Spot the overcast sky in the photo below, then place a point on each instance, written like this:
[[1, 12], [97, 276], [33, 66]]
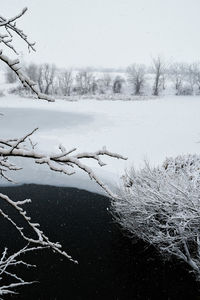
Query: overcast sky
[[109, 33]]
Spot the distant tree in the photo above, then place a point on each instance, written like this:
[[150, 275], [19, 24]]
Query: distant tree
[[46, 78], [65, 81], [117, 84], [136, 77], [177, 74], [158, 68], [85, 82]]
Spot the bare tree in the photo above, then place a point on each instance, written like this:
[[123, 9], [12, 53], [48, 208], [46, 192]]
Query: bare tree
[[46, 78], [177, 73], [65, 161], [161, 206], [136, 77], [85, 83], [158, 69], [65, 81]]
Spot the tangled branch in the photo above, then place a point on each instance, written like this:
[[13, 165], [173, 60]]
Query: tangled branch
[[11, 28], [7, 262]]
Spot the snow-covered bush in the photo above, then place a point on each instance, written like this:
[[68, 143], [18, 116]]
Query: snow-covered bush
[[161, 206]]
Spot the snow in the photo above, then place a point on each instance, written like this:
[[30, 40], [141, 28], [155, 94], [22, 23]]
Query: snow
[[150, 130]]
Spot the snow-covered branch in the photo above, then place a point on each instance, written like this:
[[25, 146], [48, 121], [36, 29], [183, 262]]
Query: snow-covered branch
[[7, 262], [11, 28], [64, 161], [26, 82], [41, 239], [6, 38]]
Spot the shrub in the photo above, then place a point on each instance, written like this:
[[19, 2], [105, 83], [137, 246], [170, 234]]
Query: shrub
[[162, 207]]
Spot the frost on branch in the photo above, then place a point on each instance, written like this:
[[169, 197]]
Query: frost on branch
[[162, 207], [41, 239], [7, 262], [65, 161], [8, 29], [14, 66]]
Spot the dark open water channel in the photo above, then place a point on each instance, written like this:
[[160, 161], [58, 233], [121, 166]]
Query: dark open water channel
[[110, 266]]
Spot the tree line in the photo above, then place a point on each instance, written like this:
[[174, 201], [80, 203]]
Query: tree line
[[138, 79]]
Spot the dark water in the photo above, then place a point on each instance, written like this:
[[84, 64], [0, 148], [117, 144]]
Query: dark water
[[110, 266]]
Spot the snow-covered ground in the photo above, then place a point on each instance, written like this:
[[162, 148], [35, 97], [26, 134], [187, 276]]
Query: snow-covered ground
[[140, 130]]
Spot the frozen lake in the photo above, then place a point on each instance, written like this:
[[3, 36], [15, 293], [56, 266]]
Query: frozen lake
[[139, 130], [23, 120]]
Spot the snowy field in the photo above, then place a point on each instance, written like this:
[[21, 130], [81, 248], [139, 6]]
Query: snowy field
[[141, 130]]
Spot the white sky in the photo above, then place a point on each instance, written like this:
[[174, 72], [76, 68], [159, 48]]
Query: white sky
[[109, 33]]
